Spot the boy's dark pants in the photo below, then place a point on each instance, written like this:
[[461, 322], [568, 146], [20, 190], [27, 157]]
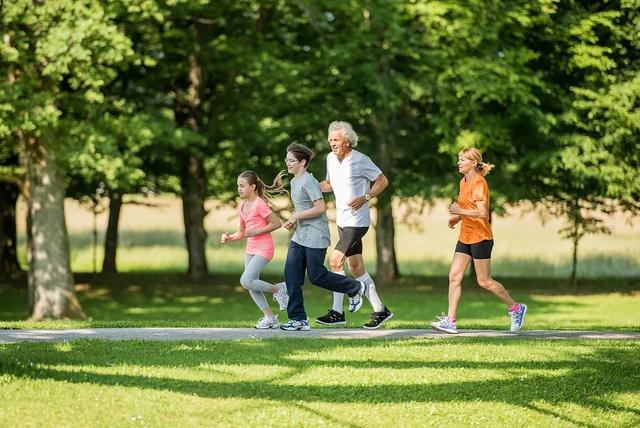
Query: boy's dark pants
[[301, 258]]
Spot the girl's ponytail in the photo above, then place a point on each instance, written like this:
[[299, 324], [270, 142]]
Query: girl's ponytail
[[262, 190], [268, 193]]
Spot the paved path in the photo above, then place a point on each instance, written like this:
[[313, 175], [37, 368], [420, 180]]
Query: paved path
[[10, 336]]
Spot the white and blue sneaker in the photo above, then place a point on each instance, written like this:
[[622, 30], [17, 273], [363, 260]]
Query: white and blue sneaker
[[517, 317], [294, 325], [355, 302], [445, 324]]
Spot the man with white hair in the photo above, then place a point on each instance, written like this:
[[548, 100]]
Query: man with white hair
[[349, 175]]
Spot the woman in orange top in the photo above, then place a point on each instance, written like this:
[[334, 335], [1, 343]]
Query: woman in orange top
[[475, 241]]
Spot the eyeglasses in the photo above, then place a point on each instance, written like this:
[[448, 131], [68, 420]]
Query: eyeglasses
[[287, 160]]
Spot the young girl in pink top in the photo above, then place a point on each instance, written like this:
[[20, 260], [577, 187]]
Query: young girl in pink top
[[257, 221]]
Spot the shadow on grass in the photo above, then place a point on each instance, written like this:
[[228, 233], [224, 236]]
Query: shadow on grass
[[144, 300], [584, 378], [152, 306]]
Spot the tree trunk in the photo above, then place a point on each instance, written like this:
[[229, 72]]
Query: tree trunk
[[387, 265], [9, 265], [30, 291], [111, 236], [574, 268], [194, 184], [382, 122], [194, 177], [50, 277]]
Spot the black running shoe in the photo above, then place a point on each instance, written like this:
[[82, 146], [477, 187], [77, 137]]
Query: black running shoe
[[377, 318], [332, 318]]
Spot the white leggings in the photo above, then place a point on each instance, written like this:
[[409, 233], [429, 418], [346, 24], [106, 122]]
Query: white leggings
[[250, 279]]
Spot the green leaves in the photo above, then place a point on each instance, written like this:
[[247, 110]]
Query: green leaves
[[548, 90], [58, 57]]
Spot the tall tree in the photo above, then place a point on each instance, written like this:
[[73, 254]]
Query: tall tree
[[420, 80], [108, 162], [145, 140], [57, 56], [589, 167], [357, 48], [217, 73], [180, 74]]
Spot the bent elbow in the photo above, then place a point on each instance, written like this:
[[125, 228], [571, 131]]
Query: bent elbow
[[384, 182]]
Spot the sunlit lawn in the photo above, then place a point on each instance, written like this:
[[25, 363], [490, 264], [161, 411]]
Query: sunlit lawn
[[170, 300], [258, 383], [353, 383]]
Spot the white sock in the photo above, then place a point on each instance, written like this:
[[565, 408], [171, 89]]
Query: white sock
[[338, 298], [373, 294]]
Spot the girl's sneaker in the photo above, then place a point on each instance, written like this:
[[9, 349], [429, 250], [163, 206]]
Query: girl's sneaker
[[281, 296], [267, 322], [294, 325], [445, 324]]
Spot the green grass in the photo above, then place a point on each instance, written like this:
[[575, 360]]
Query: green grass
[[142, 300], [352, 383], [341, 383]]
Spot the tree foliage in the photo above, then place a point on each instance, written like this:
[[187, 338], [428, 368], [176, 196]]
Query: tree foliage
[[180, 96]]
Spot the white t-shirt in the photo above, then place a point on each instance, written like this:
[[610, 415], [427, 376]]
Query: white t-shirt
[[350, 178]]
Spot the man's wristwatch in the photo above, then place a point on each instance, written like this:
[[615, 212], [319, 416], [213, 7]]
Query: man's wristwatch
[[367, 196]]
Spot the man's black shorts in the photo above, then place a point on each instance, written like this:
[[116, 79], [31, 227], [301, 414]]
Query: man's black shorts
[[350, 242], [479, 250]]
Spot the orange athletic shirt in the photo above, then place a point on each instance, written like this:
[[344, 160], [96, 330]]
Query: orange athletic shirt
[[474, 229]]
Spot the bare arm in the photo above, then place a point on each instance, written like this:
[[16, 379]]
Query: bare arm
[[325, 186], [274, 223], [481, 211], [319, 208], [380, 183], [453, 220], [236, 236]]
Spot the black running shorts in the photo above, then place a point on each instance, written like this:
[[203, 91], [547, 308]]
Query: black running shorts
[[350, 242], [480, 250]]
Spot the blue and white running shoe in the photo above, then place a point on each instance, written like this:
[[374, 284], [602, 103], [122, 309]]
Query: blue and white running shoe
[[294, 325], [355, 302]]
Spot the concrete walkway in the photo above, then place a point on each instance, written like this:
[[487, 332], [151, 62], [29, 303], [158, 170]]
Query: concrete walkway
[[11, 336]]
